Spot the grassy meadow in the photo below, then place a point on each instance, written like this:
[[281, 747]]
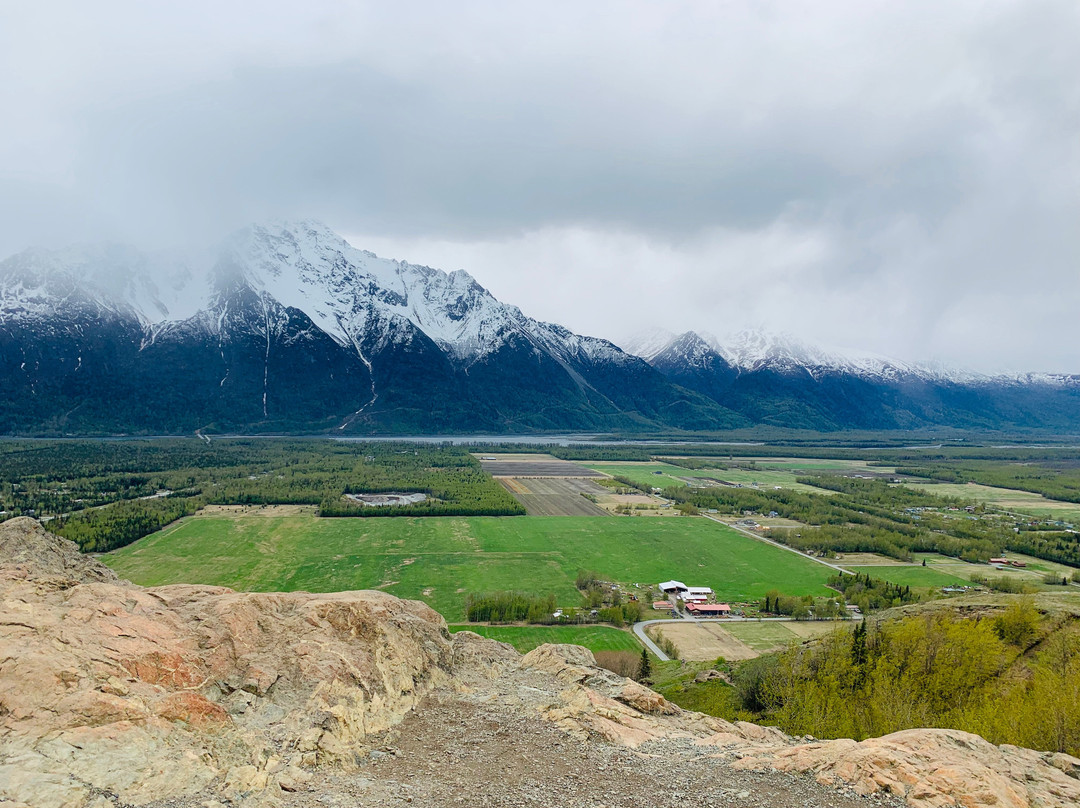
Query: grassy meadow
[[915, 575], [439, 559], [768, 635]]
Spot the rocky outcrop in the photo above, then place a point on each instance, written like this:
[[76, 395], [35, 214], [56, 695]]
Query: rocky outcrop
[[927, 768], [143, 692], [933, 768], [27, 549], [112, 694]]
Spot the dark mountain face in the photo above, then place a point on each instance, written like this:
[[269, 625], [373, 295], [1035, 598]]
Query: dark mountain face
[[289, 328], [786, 390]]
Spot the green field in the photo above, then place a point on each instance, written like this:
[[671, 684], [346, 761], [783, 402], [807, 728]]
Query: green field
[[767, 479], [1007, 499], [1032, 574], [914, 575], [439, 559], [808, 464], [526, 638], [645, 474]]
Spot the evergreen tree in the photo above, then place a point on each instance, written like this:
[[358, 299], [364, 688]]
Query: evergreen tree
[[645, 672], [858, 652]]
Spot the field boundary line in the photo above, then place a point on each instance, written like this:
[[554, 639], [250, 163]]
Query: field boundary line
[[778, 544]]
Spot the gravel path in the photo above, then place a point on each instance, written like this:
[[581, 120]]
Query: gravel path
[[454, 753]]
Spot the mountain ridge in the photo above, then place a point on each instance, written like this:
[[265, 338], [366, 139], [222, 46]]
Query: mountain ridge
[[287, 326], [781, 381]]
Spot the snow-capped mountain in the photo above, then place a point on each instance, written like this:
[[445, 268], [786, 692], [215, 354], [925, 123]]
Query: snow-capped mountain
[[288, 325], [285, 326], [752, 350], [778, 379]]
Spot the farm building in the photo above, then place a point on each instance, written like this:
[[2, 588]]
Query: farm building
[[709, 609], [999, 560], [662, 605], [698, 594], [673, 587]]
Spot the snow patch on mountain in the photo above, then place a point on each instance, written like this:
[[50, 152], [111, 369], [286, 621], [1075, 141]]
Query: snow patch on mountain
[[648, 344], [753, 350], [153, 287], [352, 293], [362, 301]]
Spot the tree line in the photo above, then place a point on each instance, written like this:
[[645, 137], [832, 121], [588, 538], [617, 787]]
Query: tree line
[[105, 494]]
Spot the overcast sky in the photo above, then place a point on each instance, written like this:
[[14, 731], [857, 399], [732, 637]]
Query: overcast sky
[[901, 177]]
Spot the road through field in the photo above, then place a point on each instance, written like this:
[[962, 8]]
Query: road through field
[[778, 544]]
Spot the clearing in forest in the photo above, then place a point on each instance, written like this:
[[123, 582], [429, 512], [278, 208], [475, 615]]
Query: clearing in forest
[[555, 496]]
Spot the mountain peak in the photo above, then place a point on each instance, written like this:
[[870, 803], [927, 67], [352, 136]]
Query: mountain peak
[[755, 349]]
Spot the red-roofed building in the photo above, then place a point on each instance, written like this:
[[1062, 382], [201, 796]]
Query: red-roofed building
[[662, 605], [709, 609]]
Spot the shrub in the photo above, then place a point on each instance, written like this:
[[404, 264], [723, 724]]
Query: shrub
[[623, 663]]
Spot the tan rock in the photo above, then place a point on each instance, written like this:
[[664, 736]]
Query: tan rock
[[126, 689], [932, 768]]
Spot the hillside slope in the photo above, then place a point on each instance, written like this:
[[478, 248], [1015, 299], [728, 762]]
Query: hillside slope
[[113, 695]]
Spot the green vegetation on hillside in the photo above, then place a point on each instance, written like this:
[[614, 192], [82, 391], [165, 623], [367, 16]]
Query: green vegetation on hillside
[[1012, 676]]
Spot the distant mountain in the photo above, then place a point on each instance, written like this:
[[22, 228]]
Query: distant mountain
[[781, 381], [288, 327]]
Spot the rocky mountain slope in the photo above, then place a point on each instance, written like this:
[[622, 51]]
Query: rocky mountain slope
[[114, 695], [287, 326], [781, 381]]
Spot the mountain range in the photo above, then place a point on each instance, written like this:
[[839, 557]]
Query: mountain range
[[781, 381], [286, 327]]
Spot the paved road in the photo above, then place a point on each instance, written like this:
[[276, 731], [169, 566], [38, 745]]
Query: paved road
[[639, 630]]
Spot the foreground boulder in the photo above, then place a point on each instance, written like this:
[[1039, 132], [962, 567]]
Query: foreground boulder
[[144, 692], [116, 695]]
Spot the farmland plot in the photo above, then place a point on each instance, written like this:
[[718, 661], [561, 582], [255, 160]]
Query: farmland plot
[[532, 465], [555, 496]]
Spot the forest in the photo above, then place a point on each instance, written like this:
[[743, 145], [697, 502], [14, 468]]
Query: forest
[[105, 494]]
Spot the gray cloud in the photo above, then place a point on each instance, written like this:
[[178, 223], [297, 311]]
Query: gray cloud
[[897, 177]]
